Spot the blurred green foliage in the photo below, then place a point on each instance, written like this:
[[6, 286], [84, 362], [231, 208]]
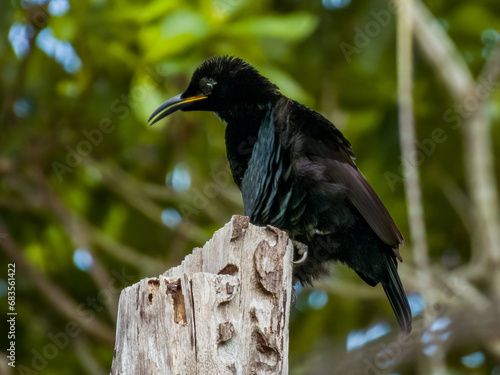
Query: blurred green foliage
[[81, 169]]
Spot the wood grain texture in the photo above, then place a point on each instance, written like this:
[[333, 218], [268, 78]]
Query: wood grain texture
[[224, 310]]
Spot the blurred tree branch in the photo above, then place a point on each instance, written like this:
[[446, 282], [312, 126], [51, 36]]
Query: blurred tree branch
[[147, 264], [408, 136], [54, 294], [80, 238], [441, 53], [458, 199], [132, 192], [451, 67], [83, 350]]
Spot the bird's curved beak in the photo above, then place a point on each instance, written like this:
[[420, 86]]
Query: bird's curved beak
[[172, 105]]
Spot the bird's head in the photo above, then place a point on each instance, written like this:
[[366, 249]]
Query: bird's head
[[220, 84]]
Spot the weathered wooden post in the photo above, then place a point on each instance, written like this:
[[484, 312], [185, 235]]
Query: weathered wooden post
[[224, 310]]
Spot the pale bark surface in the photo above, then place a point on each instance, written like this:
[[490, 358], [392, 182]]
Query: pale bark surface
[[224, 310]]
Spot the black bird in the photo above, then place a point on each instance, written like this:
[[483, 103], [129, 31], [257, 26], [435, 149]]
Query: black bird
[[296, 172]]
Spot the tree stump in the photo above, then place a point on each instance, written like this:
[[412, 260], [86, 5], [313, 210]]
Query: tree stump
[[224, 310]]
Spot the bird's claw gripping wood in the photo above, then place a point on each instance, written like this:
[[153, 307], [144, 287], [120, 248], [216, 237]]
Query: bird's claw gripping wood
[[301, 250]]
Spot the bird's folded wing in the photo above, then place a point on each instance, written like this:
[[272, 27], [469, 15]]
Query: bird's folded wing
[[366, 201], [323, 157]]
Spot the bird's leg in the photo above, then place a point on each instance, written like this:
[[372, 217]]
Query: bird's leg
[[301, 250]]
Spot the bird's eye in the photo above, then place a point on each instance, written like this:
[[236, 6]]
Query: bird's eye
[[207, 89], [207, 85]]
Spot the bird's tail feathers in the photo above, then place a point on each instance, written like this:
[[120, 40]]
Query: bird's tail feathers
[[397, 296]]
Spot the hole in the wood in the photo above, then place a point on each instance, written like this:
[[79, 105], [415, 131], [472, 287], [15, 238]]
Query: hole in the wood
[[226, 332], [179, 308], [175, 291], [153, 286], [173, 287], [230, 269], [261, 344], [253, 315]]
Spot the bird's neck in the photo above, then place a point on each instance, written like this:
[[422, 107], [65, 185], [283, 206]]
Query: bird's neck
[[243, 124]]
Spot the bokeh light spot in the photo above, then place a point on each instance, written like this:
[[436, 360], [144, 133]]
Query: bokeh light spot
[[58, 7], [335, 4], [358, 338], [171, 217], [179, 179], [83, 259], [417, 304], [440, 324], [317, 299], [473, 360], [21, 108], [63, 52], [19, 35]]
